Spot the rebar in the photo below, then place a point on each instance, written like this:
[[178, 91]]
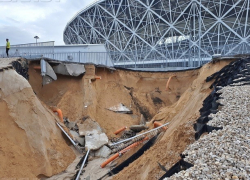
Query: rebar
[[135, 138]]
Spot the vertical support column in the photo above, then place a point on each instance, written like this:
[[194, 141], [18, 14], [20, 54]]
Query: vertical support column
[[79, 56], [245, 30], [194, 34], [219, 24], [190, 39], [199, 61], [218, 40]]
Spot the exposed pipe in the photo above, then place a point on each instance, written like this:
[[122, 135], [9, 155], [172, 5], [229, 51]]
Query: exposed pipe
[[167, 85], [129, 139], [157, 124], [37, 67], [71, 140], [84, 161], [120, 130], [59, 112], [112, 158], [98, 77]]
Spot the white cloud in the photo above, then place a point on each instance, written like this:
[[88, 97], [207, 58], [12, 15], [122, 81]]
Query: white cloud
[[21, 21]]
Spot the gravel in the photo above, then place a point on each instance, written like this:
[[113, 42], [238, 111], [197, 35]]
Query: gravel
[[223, 154]]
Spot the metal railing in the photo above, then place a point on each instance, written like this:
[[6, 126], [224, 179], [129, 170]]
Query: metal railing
[[48, 43], [98, 58], [117, 59]]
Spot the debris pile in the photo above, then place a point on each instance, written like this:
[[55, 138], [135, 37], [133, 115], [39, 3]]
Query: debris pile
[[88, 134]]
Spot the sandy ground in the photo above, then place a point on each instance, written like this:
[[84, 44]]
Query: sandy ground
[[31, 145], [180, 133], [144, 93]]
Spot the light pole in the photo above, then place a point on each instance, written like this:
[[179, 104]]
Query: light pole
[[36, 37]]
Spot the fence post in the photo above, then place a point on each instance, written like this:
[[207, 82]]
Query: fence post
[[79, 57]]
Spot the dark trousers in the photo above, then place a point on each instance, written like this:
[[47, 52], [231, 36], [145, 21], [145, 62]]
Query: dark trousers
[[7, 51]]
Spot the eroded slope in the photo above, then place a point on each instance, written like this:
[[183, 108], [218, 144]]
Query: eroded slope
[[142, 92], [30, 143]]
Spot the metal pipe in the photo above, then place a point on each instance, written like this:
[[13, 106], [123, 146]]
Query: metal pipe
[[79, 173], [71, 140], [125, 140]]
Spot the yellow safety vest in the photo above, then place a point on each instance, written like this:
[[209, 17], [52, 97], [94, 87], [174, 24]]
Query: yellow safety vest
[[8, 45]]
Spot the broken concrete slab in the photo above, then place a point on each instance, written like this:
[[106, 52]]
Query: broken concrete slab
[[75, 69], [47, 72], [77, 138], [81, 141], [69, 69], [71, 125], [104, 152], [88, 125], [120, 108], [138, 128], [95, 140], [50, 72]]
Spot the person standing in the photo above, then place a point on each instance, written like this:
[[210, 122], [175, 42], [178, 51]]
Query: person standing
[[7, 47]]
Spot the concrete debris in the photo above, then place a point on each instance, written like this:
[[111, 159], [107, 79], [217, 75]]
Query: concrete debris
[[95, 140], [138, 128], [104, 152], [88, 125], [50, 72], [75, 69], [47, 72], [120, 108], [71, 125], [80, 141], [69, 69], [93, 171], [46, 80], [77, 138]]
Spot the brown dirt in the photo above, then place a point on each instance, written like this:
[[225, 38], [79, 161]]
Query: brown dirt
[[180, 133], [31, 145], [142, 92]]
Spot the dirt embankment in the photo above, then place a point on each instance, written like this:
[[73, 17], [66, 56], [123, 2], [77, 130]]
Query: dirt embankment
[[31, 145], [180, 133], [142, 92]]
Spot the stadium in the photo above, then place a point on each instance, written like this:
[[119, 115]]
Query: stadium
[[158, 33]]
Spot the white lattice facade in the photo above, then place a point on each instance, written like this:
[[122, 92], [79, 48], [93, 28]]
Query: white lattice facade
[[167, 30]]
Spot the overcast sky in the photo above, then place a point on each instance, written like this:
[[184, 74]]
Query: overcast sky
[[21, 20]]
